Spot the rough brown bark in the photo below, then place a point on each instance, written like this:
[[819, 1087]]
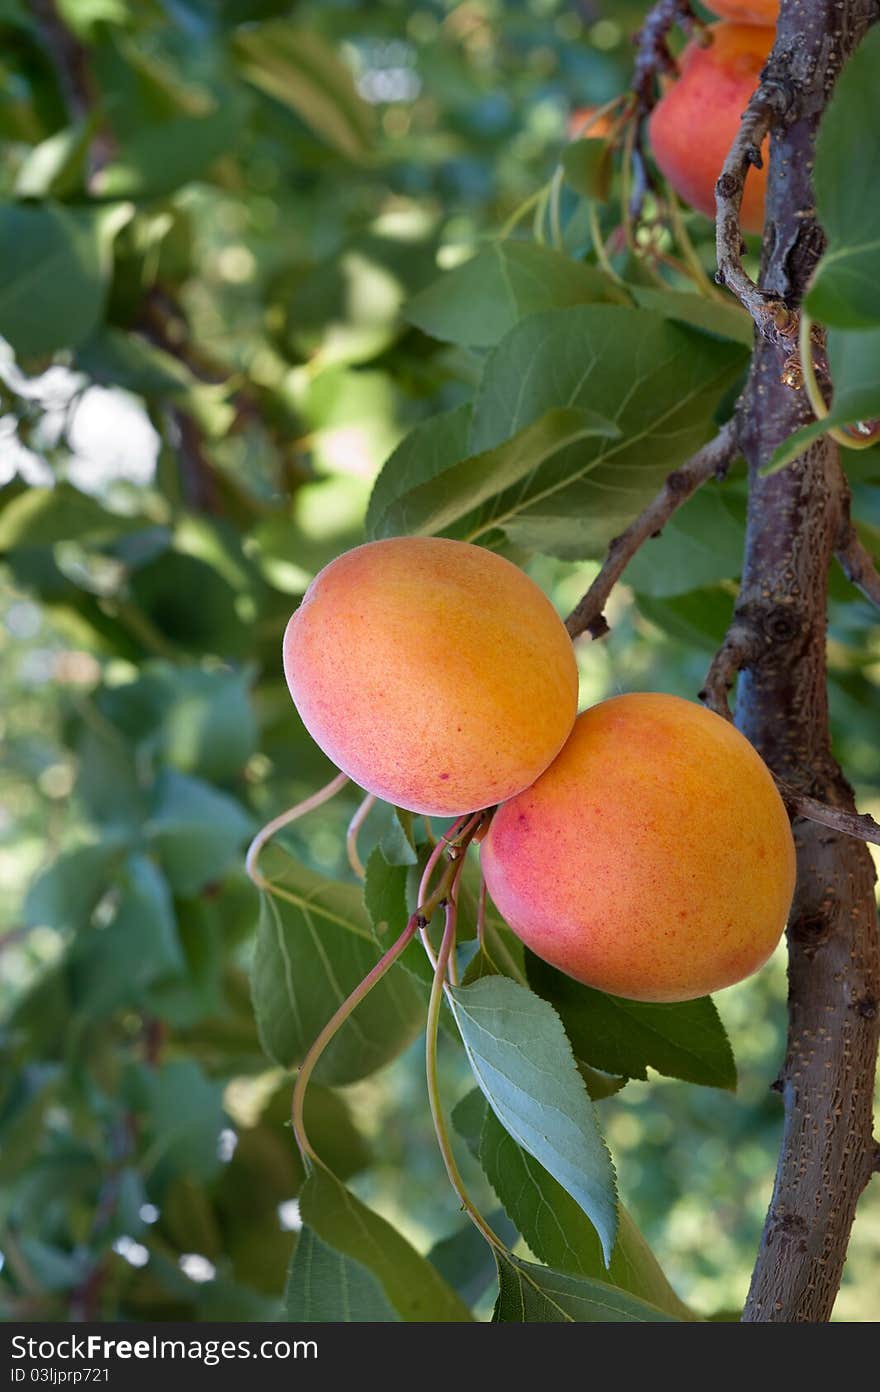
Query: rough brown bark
[[794, 526]]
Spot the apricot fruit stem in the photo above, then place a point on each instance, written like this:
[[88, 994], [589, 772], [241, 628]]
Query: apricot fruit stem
[[814, 391], [599, 243], [277, 824], [454, 842], [351, 836], [441, 1130], [682, 236], [333, 1025]]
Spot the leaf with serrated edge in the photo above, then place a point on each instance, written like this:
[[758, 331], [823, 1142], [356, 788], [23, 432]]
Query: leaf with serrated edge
[[556, 1229], [523, 1063]]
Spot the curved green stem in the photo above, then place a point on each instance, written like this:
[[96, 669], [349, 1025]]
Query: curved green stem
[[440, 1128], [599, 243], [351, 836], [292, 814], [814, 393], [519, 213], [336, 1021], [694, 265]]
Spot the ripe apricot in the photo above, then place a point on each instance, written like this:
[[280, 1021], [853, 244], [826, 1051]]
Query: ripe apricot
[[434, 673], [653, 859], [583, 121], [694, 124], [746, 11]]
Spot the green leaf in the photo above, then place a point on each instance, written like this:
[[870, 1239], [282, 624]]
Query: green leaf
[[477, 303], [385, 897], [699, 619], [164, 154], [559, 1233], [410, 1284], [65, 894], [465, 1259], [196, 831], [120, 359], [530, 1294], [524, 1066], [314, 945], [685, 1040], [854, 361], [435, 506], [722, 320], [57, 165], [208, 723], [298, 68], [424, 453], [397, 840], [184, 1116], [54, 272], [44, 516], [846, 287], [660, 384], [588, 167], [327, 1287], [114, 964], [701, 544]]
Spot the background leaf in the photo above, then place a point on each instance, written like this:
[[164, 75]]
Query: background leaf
[[314, 946], [479, 302], [410, 1284], [325, 1286], [54, 272]]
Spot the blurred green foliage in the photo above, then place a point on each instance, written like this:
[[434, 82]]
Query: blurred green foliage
[[219, 250]]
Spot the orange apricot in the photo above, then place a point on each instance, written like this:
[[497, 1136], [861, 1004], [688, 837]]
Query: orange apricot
[[583, 121], [693, 126], [653, 859], [746, 11], [434, 673]]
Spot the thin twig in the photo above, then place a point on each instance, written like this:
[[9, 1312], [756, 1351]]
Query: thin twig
[[742, 647], [858, 564], [654, 59], [712, 461], [770, 314], [862, 826], [277, 824]]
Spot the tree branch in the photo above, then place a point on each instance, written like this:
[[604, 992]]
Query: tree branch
[[771, 316], [797, 518], [653, 59], [859, 825], [743, 647], [712, 461], [857, 563]]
